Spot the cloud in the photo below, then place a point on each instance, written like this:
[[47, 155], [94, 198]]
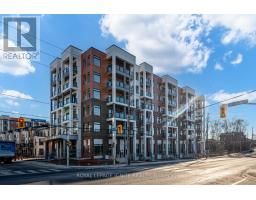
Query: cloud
[[10, 98], [170, 43], [223, 95], [237, 27], [15, 67], [16, 94], [218, 67], [178, 43], [237, 60]]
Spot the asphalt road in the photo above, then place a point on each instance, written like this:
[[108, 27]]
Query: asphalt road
[[237, 169]]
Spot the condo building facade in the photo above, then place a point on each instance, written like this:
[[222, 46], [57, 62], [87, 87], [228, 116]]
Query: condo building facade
[[94, 92]]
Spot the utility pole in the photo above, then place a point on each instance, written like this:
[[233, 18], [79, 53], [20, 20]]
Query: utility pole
[[67, 144], [113, 138], [128, 127], [207, 128]]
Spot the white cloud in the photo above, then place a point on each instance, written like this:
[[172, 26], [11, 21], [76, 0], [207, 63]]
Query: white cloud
[[237, 27], [15, 94], [223, 95], [177, 43], [16, 67], [218, 66], [170, 43], [9, 98], [237, 60]]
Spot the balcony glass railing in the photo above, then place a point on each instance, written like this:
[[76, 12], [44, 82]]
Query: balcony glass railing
[[119, 69], [66, 71], [65, 86], [65, 117]]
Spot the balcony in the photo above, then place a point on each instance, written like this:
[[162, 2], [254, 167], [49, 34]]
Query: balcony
[[149, 94], [148, 82], [65, 86], [54, 79], [119, 85], [66, 72], [74, 70], [121, 100], [75, 84], [119, 69], [65, 118], [146, 106]]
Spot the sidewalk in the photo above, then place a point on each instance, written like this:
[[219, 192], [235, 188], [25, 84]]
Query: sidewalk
[[51, 165]]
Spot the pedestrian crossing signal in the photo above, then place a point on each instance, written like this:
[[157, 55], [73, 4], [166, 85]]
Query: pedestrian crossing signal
[[21, 122], [120, 129], [223, 111]]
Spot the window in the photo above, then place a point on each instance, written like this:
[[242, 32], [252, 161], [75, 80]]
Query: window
[[96, 61], [96, 127], [96, 110], [96, 94], [96, 77], [98, 149]]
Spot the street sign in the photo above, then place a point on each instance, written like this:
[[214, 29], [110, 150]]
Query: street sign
[[120, 129], [236, 103], [223, 110], [21, 122]]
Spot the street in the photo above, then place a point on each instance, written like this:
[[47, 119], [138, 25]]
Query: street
[[236, 169]]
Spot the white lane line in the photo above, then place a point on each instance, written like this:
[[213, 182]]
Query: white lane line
[[6, 172], [55, 170], [32, 171], [43, 170], [236, 183], [182, 170], [19, 172]]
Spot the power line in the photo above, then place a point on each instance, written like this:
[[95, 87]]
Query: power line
[[23, 98], [23, 114]]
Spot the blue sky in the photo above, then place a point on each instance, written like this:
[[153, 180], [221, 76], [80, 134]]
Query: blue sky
[[215, 55]]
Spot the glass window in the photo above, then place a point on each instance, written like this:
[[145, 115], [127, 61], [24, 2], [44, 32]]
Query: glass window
[[96, 127], [96, 94], [96, 77], [96, 61], [96, 110]]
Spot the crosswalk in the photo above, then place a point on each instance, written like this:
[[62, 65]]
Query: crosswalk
[[29, 171]]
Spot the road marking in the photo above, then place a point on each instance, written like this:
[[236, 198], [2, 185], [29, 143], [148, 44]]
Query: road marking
[[55, 170], [236, 183], [5, 172], [43, 170], [19, 172], [32, 171], [182, 170]]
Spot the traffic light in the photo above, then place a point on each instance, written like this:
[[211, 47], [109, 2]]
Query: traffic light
[[21, 122], [223, 111], [120, 129]]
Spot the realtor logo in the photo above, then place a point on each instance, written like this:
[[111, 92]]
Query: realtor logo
[[21, 36]]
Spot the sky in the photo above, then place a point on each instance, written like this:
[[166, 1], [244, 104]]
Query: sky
[[214, 54]]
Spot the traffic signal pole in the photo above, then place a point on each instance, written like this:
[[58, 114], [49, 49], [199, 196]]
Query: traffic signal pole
[[67, 144]]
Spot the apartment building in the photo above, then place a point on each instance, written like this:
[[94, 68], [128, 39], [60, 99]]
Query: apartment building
[[29, 142], [65, 84], [113, 90]]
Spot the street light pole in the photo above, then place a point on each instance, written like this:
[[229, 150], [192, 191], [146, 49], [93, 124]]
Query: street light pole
[[128, 128], [67, 144], [113, 139]]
